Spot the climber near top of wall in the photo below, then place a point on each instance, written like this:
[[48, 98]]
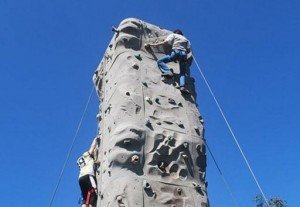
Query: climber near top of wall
[[180, 48], [87, 180]]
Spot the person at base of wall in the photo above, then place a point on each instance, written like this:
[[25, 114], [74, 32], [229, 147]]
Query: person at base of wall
[[87, 179]]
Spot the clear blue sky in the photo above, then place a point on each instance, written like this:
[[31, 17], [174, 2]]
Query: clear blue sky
[[249, 51]]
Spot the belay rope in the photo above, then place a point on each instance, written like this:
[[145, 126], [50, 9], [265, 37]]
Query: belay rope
[[71, 148], [231, 132]]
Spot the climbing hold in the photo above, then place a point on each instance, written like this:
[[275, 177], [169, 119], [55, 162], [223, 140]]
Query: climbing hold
[[115, 29], [148, 122], [135, 159], [180, 124], [186, 145], [171, 101], [106, 81], [135, 66], [110, 45], [201, 120], [198, 147], [196, 186], [99, 117], [119, 198], [180, 104], [157, 100], [179, 191], [138, 56], [148, 100], [158, 122], [107, 109], [168, 122], [170, 138], [184, 156], [109, 129], [154, 194], [146, 185], [127, 141], [183, 90], [161, 166], [145, 83], [127, 93], [197, 130]]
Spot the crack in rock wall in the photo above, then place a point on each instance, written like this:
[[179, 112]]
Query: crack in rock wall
[[152, 151]]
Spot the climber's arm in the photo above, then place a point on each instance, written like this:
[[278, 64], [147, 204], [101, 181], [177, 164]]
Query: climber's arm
[[93, 146], [159, 43]]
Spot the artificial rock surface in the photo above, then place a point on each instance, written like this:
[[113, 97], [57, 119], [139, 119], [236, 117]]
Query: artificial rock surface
[[152, 151]]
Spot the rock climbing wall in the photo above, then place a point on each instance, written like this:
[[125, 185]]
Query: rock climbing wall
[[152, 151]]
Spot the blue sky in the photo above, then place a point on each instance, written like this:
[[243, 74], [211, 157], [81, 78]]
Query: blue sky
[[249, 51]]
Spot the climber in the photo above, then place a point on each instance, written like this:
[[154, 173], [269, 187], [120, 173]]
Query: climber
[[87, 180], [180, 48]]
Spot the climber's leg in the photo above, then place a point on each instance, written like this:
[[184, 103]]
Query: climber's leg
[[166, 59], [183, 65], [85, 185]]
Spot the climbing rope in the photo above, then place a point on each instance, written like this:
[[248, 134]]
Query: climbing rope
[[231, 131], [222, 176], [71, 148]]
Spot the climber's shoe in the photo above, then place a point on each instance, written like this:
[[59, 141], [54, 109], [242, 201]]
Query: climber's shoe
[[184, 90], [167, 74]]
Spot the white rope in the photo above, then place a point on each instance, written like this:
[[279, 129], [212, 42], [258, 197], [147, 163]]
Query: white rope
[[71, 148], [231, 131]]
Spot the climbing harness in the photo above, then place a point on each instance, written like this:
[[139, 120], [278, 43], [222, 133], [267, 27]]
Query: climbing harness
[[71, 148], [231, 131]]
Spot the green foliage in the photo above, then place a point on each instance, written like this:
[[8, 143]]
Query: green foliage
[[273, 202]]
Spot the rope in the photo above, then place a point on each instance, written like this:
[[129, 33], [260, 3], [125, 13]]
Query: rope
[[231, 131], [222, 176], [71, 148]]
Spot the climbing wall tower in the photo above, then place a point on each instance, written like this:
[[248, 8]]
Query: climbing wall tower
[[152, 151]]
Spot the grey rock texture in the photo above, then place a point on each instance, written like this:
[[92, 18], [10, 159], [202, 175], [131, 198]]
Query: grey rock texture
[[152, 151]]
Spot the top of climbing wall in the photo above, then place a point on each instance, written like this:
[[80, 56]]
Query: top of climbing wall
[[152, 151]]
